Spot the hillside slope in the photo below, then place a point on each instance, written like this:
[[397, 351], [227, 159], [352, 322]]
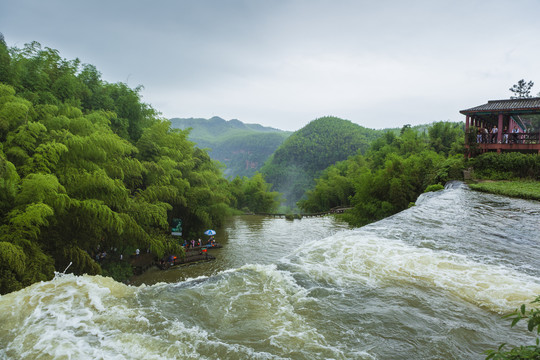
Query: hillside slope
[[242, 148], [307, 152]]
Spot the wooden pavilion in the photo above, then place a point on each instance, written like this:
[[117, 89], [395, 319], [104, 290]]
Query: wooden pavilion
[[503, 125]]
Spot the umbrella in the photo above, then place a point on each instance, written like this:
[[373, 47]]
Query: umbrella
[[210, 232]]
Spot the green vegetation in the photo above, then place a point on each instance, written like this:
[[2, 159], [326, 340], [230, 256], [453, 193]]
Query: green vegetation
[[307, 152], [522, 89], [506, 166], [244, 154], [434, 187], [209, 129], [520, 188], [525, 351], [253, 194], [242, 148], [84, 164], [391, 175], [515, 174]]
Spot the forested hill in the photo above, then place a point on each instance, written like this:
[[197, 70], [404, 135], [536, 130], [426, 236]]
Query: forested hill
[[307, 152], [242, 148]]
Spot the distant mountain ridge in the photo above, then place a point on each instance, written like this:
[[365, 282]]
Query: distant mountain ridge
[[242, 148], [216, 126]]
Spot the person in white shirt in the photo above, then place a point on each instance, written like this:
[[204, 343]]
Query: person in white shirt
[[494, 132], [515, 132]]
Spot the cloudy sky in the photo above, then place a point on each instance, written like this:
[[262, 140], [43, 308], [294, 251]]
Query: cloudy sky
[[283, 63]]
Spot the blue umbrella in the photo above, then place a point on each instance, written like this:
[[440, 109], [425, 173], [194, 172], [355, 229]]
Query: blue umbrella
[[210, 232]]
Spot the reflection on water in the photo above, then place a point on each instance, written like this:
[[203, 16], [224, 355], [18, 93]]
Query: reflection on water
[[427, 283]]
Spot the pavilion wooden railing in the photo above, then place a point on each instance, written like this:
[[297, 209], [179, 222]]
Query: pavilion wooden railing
[[512, 138]]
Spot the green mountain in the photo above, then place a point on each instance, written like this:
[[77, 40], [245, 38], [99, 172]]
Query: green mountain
[[242, 148], [301, 158]]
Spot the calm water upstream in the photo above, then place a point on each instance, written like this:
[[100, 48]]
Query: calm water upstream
[[428, 283]]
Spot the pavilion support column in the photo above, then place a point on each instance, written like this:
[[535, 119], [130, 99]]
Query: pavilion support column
[[467, 130], [500, 130]]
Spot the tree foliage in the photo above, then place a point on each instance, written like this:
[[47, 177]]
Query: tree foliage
[[522, 89], [306, 153], [85, 165], [506, 166], [532, 317], [254, 195], [390, 176]]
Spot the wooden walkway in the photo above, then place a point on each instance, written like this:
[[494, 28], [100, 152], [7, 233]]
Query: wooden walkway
[[336, 210], [194, 255]]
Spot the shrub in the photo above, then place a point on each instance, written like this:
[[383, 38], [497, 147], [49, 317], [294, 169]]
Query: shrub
[[507, 165], [435, 187], [119, 271]]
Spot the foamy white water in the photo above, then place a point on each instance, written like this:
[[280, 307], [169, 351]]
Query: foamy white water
[[428, 283], [363, 258]]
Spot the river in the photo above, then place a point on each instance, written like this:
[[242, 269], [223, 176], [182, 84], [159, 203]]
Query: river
[[428, 283]]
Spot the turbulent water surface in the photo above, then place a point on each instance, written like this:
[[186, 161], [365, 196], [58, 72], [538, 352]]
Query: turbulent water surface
[[428, 283]]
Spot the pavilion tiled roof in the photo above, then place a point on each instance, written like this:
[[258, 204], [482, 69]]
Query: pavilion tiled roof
[[508, 106]]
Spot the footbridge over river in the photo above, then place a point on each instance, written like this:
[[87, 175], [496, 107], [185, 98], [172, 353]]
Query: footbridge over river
[[336, 210]]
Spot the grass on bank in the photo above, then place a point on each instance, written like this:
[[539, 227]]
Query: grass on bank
[[524, 189]]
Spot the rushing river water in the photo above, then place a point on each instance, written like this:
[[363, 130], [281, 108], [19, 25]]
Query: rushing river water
[[428, 283]]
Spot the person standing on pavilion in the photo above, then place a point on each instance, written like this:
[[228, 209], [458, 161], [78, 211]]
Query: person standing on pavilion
[[494, 132]]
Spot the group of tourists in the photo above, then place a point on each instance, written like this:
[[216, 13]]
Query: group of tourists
[[195, 249], [192, 244], [100, 254], [197, 243], [490, 136]]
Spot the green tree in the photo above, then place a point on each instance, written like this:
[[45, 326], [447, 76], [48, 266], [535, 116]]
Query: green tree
[[85, 165], [522, 89], [306, 153], [5, 60], [446, 138], [254, 195], [391, 175]]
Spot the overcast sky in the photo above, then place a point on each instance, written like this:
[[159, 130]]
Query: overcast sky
[[283, 63]]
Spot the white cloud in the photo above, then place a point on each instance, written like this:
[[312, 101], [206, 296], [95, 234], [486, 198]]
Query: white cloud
[[286, 62]]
